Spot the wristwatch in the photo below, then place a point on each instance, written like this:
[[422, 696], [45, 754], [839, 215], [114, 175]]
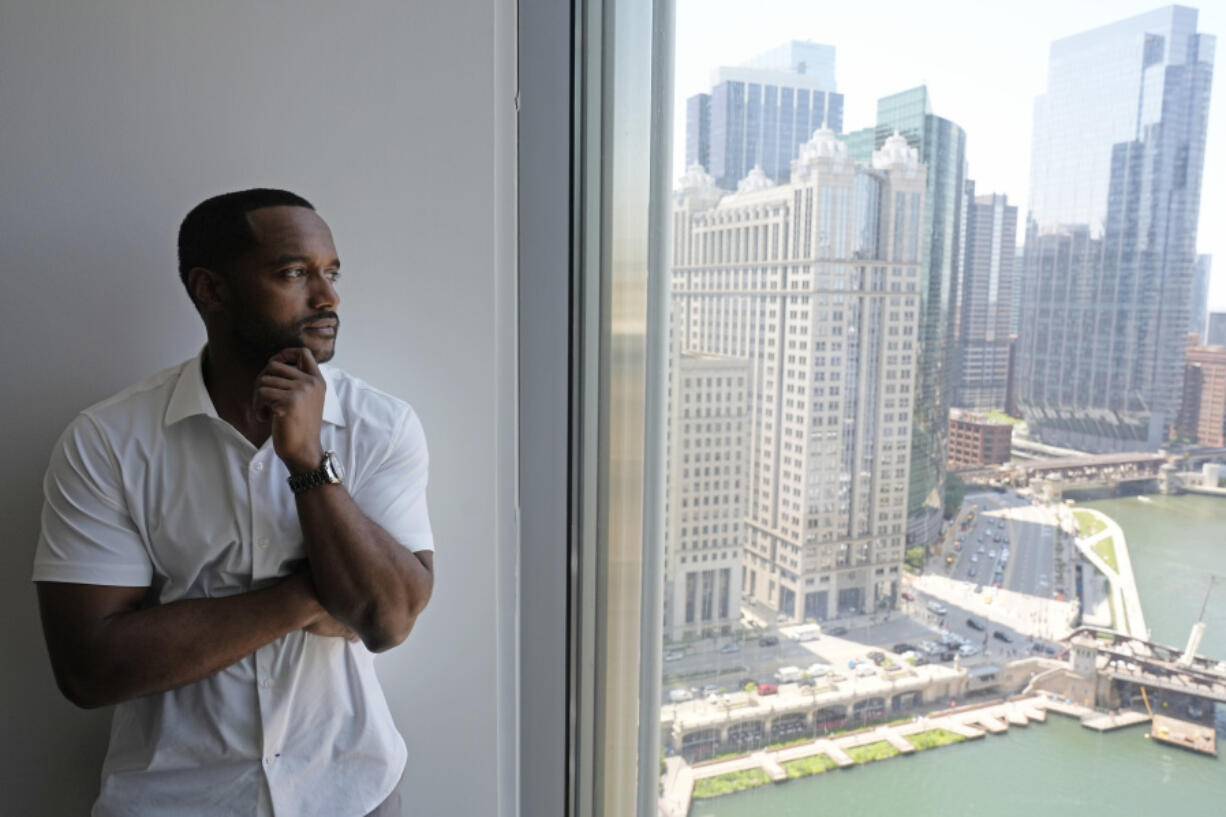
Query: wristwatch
[[329, 472]]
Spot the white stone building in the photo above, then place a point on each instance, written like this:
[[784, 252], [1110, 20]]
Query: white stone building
[[816, 284]]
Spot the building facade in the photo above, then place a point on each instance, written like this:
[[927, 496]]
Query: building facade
[[985, 298], [1198, 313], [1215, 329], [707, 448], [1116, 161], [815, 283], [1203, 416], [975, 439], [760, 112], [942, 149]]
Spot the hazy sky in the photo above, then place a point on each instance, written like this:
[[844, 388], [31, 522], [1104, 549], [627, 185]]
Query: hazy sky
[[983, 65]]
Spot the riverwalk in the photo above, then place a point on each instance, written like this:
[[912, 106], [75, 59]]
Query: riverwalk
[[970, 722], [1125, 599]]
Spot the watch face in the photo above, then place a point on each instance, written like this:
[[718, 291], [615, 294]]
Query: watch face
[[333, 464]]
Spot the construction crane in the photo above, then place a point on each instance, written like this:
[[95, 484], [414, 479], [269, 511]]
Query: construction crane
[[1198, 630]]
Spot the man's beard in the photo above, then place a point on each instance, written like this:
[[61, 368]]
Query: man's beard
[[258, 340]]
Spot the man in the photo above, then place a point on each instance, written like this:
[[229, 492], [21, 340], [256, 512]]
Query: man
[[226, 544]]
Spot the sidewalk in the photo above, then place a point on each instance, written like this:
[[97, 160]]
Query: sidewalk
[[1129, 617]]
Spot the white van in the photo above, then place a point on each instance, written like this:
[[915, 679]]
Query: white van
[[805, 632], [788, 675]]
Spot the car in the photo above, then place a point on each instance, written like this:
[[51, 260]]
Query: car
[[1001, 635], [836, 630], [967, 650], [971, 573], [920, 660], [818, 669], [907, 596], [946, 655], [974, 558], [974, 625], [680, 695], [877, 657], [768, 641], [674, 655], [707, 689], [902, 647], [730, 647], [865, 669], [991, 554], [768, 689], [981, 549], [937, 607]]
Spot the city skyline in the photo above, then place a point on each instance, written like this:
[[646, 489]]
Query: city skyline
[[994, 106]]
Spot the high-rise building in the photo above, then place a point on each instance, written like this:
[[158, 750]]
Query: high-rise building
[[1215, 329], [1199, 310], [816, 284], [707, 447], [1202, 418], [1015, 305], [942, 148], [759, 112], [985, 296], [1115, 181], [977, 440]]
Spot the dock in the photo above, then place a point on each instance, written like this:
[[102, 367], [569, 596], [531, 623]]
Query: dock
[[1185, 734]]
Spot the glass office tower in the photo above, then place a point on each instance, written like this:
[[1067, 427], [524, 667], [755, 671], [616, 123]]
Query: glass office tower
[[1116, 160], [942, 147], [760, 112]]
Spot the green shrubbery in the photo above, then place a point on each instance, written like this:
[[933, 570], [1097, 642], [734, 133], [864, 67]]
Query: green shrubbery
[[873, 751], [805, 766], [729, 783], [933, 738]]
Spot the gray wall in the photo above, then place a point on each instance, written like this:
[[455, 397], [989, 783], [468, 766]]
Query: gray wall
[[395, 119]]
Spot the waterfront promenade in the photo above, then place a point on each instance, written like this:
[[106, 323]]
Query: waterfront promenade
[[1125, 599], [971, 722]]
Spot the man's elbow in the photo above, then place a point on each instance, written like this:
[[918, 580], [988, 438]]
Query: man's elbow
[[81, 690], [389, 627]]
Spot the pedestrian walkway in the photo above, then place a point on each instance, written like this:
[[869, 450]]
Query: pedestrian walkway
[[1129, 617]]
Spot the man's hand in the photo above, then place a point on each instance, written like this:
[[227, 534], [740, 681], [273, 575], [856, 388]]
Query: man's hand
[[290, 392], [327, 626]]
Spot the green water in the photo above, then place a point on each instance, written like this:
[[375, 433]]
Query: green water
[[1058, 766]]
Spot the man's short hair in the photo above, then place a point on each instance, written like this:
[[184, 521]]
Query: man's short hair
[[216, 232]]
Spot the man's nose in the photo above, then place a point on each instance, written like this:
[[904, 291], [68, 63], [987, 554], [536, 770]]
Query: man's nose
[[323, 292]]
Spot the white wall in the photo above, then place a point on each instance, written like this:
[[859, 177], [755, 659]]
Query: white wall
[[395, 119]]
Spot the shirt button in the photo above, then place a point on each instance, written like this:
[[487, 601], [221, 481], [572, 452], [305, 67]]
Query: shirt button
[[259, 466], [267, 683], [262, 542]]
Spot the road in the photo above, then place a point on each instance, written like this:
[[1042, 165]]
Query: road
[[1029, 532]]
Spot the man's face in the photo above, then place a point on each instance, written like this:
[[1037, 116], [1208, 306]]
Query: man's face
[[284, 290]]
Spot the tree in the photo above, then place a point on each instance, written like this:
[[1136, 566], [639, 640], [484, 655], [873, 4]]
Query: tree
[[914, 557], [955, 491]]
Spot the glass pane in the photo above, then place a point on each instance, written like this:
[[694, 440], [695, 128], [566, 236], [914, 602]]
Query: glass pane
[[933, 411]]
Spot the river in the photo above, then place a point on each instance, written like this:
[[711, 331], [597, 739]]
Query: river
[[1056, 767]]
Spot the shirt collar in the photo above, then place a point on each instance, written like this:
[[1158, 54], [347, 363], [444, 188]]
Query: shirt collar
[[191, 396]]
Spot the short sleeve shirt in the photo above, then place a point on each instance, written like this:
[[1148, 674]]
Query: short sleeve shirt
[[152, 489]]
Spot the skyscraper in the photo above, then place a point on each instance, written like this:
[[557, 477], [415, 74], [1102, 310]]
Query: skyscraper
[[942, 147], [984, 303], [1199, 310], [815, 284], [707, 446], [1215, 330], [760, 112], [1119, 143]]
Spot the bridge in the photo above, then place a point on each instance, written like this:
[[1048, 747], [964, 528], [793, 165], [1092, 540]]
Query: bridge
[[1055, 474], [1129, 663]]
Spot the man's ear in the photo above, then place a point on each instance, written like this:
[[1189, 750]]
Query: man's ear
[[209, 289]]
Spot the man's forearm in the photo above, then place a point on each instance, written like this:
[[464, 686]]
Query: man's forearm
[[363, 577], [139, 652]]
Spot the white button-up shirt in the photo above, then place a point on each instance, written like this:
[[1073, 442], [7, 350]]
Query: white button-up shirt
[[152, 489]]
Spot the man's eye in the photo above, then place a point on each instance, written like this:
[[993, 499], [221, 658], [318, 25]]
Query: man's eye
[[333, 275], [294, 272]]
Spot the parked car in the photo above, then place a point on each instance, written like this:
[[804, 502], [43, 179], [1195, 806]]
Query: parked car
[[903, 647], [838, 629], [767, 689], [768, 641], [877, 657], [866, 669], [907, 596], [992, 554], [730, 647], [946, 655], [972, 572], [937, 607], [1001, 635], [680, 695], [974, 625], [818, 669], [707, 689], [974, 558], [674, 655], [786, 675], [967, 650]]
